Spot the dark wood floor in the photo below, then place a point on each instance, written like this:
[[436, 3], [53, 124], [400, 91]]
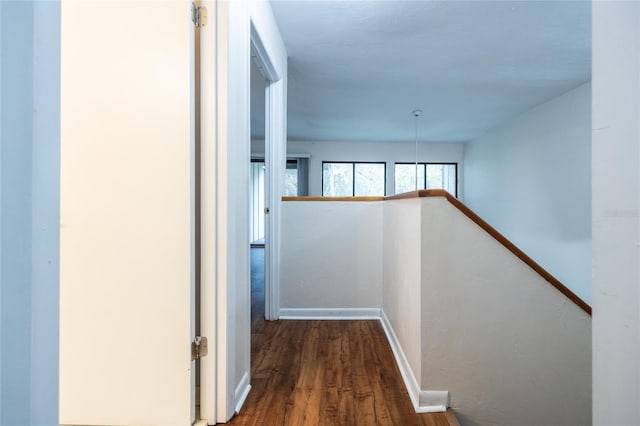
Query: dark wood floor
[[323, 372]]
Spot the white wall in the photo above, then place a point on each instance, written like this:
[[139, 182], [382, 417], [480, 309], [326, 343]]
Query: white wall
[[17, 204], [467, 315], [331, 255], [29, 154], [529, 178], [509, 347], [401, 276], [46, 217], [401, 152], [237, 191], [268, 46], [227, 130], [616, 206], [1, 208]]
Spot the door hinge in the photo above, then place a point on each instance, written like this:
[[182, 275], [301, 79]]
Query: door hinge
[[199, 348], [198, 15]]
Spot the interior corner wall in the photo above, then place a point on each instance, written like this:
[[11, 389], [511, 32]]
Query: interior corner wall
[[616, 217], [29, 221], [401, 276], [530, 179]]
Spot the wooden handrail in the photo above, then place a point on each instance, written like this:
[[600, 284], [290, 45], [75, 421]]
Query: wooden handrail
[[508, 244], [334, 198], [479, 221]]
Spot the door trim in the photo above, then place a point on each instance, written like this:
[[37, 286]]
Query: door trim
[[225, 270], [275, 163]]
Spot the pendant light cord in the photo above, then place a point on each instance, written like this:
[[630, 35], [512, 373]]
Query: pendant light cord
[[417, 113]]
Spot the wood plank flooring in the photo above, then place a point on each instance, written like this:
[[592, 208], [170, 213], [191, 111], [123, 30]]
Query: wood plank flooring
[[324, 373]]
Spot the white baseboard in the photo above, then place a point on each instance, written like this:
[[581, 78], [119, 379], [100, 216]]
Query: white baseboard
[[423, 401], [433, 401], [329, 313], [242, 391]]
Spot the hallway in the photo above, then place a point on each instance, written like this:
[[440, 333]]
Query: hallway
[[323, 372]]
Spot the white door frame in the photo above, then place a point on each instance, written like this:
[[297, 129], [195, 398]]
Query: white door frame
[[275, 162], [213, 304], [230, 32]]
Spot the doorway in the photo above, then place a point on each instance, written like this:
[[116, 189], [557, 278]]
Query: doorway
[[225, 204], [257, 200], [268, 125]]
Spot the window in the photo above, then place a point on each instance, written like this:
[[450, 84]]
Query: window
[[369, 179], [291, 178], [257, 201], [430, 176], [337, 179], [405, 178], [347, 179], [443, 176]]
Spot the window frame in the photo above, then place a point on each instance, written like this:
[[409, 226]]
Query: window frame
[[353, 174], [293, 162], [425, 164], [408, 163]]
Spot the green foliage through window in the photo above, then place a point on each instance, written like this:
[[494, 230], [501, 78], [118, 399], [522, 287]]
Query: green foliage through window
[[346, 179], [430, 176]]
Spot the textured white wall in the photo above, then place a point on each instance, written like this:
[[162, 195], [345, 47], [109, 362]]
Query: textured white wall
[[401, 152], [530, 179], [509, 347], [29, 218], [616, 218], [331, 255], [401, 276]]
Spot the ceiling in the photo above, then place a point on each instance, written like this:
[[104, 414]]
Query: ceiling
[[357, 69]]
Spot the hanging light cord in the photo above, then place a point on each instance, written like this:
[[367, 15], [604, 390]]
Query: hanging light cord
[[417, 113]]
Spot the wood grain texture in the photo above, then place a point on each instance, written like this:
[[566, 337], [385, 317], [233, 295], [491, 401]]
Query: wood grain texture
[[333, 198], [487, 228], [322, 372], [327, 373], [451, 418]]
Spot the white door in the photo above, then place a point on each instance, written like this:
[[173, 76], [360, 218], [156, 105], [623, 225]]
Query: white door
[[126, 279]]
